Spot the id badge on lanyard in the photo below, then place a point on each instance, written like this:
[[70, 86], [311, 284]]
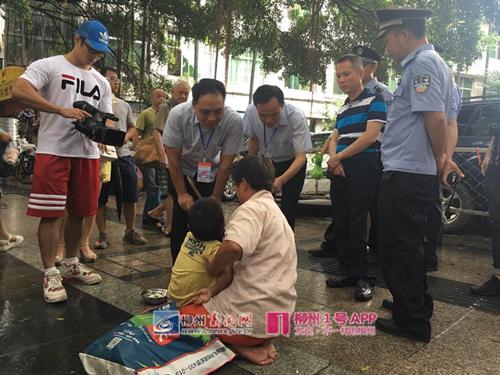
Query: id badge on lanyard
[[266, 154], [204, 171]]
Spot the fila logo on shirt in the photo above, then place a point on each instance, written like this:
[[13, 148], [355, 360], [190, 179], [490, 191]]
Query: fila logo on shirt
[[95, 93]]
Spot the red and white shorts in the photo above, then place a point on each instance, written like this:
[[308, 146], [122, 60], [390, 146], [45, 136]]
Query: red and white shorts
[[61, 183]]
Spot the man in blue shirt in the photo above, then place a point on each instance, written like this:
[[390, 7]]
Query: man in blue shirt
[[278, 131], [355, 164], [413, 153]]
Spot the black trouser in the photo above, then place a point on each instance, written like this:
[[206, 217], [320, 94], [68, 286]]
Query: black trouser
[[434, 225], [373, 233], [404, 200], [352, 198], [179, 217], [290, 191], [492, 181]]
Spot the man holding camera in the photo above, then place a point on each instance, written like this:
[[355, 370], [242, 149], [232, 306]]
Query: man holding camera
[[66, 172]]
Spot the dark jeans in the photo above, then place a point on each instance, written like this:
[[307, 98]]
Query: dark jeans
[[492, 181], [404, 201], [352, 198], [151, 189], [290, 191], [434, 225], [179, 217]]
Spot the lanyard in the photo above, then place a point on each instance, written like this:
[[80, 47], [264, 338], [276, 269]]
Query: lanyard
[[205, 147], [270, 139]]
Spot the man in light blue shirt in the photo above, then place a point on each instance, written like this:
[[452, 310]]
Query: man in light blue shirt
[[413, 152], [202, 137], [278, 131]]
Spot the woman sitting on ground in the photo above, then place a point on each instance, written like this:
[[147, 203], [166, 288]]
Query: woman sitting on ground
[[259, 245]]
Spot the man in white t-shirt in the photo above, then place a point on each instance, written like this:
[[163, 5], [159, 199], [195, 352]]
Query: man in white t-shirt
[[66, 172]]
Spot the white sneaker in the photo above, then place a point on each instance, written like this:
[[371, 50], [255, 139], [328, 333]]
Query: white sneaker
[[53, 290], [78, 272]]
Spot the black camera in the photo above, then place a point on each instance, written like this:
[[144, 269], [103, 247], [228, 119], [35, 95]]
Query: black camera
[[95, 127]]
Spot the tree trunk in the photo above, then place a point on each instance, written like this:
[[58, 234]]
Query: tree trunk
[[228, 34], [216, 60], [486, 66], [196, 57], [143, 50], [252, 75]]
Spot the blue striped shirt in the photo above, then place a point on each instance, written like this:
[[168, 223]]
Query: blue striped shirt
[[353, 116]]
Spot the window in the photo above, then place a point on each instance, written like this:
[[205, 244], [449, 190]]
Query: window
[[240, 69], [466, 87]]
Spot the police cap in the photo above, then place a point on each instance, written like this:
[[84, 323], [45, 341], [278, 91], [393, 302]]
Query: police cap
[[367, 54], [390, 18]]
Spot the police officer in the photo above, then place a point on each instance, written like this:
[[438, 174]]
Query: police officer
[[413, 152], [370, 59], [491, 170], [434, 229], [278, 131], [202, 137]]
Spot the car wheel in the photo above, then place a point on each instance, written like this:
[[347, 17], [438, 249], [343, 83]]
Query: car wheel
[[229, 193], [456, 221]]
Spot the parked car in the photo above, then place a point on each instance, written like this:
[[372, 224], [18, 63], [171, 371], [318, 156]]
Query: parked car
[[312, 189], [475, 121]]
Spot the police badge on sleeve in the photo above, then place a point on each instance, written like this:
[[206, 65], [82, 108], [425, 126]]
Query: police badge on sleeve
[[421, 83]]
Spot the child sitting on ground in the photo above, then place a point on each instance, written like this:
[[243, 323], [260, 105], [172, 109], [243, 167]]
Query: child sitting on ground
[[190, 282]]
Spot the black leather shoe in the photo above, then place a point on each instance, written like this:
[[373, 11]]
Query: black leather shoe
[[387, 304], [489, 288], [388, 326], [320, 253], [364, 291], [341, 282]]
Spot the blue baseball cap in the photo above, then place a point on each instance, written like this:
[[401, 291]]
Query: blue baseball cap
[[96, 35]]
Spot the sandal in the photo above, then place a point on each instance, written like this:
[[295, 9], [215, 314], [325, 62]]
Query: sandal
[[14, 240], [83, 258]]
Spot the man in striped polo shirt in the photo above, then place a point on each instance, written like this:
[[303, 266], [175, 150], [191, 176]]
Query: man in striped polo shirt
[[355, 164]]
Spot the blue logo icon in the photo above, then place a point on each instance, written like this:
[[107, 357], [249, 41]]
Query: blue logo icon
[[166, 322]]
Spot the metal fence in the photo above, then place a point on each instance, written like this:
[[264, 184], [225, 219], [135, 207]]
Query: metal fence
[[470, 195]]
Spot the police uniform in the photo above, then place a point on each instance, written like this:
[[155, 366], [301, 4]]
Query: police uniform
[[199, 147], [409, 178], [280, 144], [492, 182], [371, 56]]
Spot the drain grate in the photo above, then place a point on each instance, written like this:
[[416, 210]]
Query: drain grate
[[443, 290]]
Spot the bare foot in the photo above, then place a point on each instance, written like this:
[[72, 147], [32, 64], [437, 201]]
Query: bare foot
[[155, 213], [255, 354], [86, 253], [271, 350]]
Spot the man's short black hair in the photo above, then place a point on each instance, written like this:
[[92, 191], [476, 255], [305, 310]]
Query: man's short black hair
[[255, 171], [106, 69], [208, 86], [206, 220], [355, 60], [266, 92]]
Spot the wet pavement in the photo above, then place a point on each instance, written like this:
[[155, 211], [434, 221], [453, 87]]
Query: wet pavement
[[37, 338]]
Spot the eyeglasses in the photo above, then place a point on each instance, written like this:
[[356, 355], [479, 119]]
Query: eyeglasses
[[114, 79]]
